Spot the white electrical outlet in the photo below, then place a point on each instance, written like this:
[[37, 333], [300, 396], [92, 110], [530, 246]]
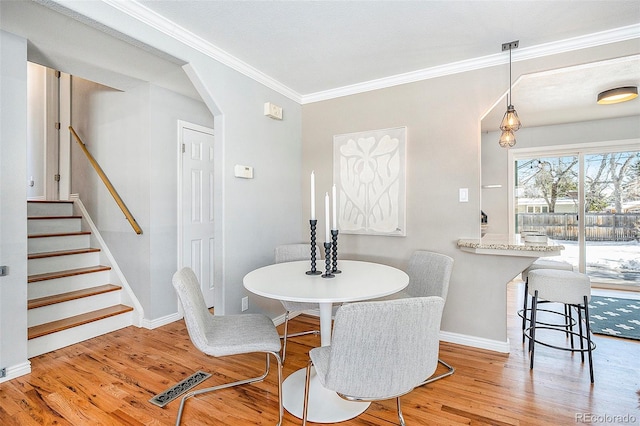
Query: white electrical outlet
[[245, 303]]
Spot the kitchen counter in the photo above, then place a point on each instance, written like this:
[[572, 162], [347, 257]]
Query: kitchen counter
[[483, 267], [509, 246]]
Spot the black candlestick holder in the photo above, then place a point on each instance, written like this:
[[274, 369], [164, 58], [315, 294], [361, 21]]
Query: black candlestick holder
[[334, 250], [313, 271], [327, 261]]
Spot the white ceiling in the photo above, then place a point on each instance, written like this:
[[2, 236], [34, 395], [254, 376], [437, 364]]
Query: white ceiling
[[324, 47], [314, 46], [313, 50]]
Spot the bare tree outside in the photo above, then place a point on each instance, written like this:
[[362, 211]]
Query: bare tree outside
[[547, 201]]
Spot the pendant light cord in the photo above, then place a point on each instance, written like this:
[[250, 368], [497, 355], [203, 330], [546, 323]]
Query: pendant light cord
[[509, 99]]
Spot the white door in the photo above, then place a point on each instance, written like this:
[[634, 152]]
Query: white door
[[197, 245]]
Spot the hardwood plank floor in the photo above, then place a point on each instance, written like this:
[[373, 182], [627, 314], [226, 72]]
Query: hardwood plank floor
[[108, 380]]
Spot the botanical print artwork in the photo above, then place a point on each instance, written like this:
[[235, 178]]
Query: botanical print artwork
[[369, 172]]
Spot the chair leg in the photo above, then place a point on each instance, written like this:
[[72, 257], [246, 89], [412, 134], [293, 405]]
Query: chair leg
[[400, 417], [532, 327], [450, 371], [588, 327], [238, 383], [305, 406], [524, 308], [284, 338], [579, 308], [286, 335], [567, 310]]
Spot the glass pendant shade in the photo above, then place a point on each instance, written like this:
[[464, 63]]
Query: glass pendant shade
[[510, 121], [507, 139]]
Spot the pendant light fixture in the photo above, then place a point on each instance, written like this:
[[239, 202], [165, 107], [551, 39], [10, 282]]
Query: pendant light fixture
[[510, 122]]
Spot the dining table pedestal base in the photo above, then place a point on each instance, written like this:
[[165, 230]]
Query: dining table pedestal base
[[325, 406]]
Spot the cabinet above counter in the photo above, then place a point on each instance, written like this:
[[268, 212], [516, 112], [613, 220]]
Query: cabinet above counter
[[504, 245]]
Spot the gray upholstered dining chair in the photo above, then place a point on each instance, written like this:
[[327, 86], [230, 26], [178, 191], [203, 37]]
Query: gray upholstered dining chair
[[379, 350], [291, 253], [224, 335], [429, 275]]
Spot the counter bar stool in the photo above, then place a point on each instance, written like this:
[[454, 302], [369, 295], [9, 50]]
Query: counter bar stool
[[542, 264], [570, 288]]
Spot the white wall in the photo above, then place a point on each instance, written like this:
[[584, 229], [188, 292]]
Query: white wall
[[13, 206], [253, 217], [133, 136], [494, 158], [36, 105], [443, 154]]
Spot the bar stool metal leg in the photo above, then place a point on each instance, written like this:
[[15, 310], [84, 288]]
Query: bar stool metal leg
[[589, 345]]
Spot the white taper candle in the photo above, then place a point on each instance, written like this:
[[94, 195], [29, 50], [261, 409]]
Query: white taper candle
[[326, 218], [313, 196], [333, 200]]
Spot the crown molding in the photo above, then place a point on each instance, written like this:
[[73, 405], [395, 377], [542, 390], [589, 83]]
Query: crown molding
[[522, 54], [145, 15]]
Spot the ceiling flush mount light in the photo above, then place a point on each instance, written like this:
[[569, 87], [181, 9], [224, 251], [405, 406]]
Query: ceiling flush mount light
[[619, 94], [510, 122]]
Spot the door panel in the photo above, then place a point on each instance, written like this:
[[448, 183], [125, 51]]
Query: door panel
[[197, 207]]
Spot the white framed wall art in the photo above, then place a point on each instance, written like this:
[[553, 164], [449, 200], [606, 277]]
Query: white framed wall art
[[369, 174]]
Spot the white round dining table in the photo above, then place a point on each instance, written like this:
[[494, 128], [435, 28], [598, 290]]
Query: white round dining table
[[358, 281]]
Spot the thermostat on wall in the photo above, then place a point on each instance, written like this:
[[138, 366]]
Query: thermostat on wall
[[245, 172]]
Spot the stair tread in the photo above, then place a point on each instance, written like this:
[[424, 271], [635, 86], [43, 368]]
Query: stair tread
[[53, 217], [62, 253], [66, 323], [60, 234], [66, 273], [51, 201], [71, 295]]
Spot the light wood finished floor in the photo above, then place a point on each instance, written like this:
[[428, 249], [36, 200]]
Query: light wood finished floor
[[108, 380]]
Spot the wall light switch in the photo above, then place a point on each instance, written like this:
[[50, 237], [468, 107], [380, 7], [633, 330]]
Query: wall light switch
[[272, 110], [245, 172], [463, 195]]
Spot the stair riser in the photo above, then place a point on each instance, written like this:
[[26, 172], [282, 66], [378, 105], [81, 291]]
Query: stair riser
[[63, 285], [49, 209], [71, 308], [78, 334], [42, 245], [62, 263], [53, 226]]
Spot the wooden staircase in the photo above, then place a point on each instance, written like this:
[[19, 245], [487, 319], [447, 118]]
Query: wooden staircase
[[71, 295]]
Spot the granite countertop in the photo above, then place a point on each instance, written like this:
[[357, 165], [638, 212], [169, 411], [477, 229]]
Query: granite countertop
[[503, 244]]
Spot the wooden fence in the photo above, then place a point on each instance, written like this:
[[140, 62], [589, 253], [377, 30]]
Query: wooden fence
[[598, 226]]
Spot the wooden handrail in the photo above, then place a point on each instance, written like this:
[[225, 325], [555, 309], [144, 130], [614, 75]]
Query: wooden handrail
[[107, 183]]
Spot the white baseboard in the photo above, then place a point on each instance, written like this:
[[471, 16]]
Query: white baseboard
[[17, 371], [476, 342], [159, 322]]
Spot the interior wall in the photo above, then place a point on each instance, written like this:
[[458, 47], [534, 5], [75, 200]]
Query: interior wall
[[253, 217], [36, 107], [260, 213], [133, 136], [442, 116], [13, 208], [494, 158]]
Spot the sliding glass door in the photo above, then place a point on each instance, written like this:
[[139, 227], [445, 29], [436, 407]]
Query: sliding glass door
[[587, 199]]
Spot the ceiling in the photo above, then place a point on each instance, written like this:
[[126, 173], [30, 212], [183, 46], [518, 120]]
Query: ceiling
[[313, 46], [314, 50]]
